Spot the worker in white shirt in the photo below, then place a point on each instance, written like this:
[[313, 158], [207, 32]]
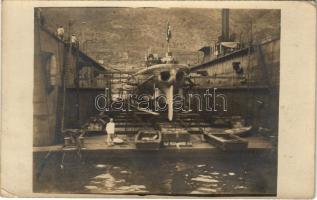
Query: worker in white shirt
[[73, 40], [60, 32], [110, 127]]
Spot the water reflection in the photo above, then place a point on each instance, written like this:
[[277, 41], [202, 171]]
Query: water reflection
[[251, 175]]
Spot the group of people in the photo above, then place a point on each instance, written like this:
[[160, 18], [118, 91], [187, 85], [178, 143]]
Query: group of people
[[60, 34]]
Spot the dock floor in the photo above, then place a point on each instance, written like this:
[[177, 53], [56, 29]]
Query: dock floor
[[95, 143]]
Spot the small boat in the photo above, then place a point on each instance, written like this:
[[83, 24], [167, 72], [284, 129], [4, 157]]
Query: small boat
[[240, 131], [226, 142], [148, 140]]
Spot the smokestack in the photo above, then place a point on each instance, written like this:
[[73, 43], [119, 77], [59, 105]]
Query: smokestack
[[225, 25]]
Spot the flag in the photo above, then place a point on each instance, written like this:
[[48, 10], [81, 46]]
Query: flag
[[168, 32]]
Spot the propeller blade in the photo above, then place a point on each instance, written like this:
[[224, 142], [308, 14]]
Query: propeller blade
[[169, 97]]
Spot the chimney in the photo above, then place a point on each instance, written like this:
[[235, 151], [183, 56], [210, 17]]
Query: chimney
[[225, 25]]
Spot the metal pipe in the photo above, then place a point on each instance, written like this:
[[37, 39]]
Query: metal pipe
[[225, 25]]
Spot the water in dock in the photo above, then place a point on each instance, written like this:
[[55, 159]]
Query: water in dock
[[224, 174]]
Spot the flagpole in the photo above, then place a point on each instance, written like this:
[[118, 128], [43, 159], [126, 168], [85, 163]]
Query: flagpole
[[168, 36]]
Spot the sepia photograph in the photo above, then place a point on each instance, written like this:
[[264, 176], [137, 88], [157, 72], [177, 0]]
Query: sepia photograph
[[156, 101]]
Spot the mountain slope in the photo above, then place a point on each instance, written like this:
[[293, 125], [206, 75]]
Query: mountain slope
[[122, 36]]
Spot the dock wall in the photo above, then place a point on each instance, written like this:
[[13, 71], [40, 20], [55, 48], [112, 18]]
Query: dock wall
[[253, 91], [86, 106], [57, 66], [48, 59]]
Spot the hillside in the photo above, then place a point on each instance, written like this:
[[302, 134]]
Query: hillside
[[122, 36]]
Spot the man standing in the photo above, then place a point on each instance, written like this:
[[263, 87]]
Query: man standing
[[110, 132], [74, 41], [60, 32]]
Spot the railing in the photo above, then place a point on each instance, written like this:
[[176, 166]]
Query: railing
[[93, 83], [225, 81]]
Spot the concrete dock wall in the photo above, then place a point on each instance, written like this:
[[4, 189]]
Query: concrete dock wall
[[48, 57], [86, 106], [55, 66]]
